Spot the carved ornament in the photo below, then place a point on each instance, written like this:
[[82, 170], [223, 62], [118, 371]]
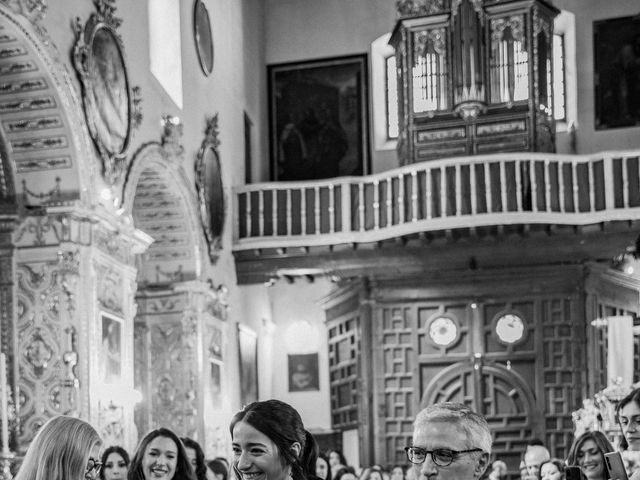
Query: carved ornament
[[436, 38], [416, 8]]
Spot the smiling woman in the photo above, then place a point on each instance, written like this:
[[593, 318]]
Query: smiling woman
[[587, 452], [161, 456], [270, 442]]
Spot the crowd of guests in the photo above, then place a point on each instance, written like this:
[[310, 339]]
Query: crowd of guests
[[269, 442]]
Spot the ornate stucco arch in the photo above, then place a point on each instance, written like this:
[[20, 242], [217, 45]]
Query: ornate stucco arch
[[161, 200], [46, 145]]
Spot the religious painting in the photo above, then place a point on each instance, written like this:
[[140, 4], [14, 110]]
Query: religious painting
[[303, 372], [319, 118], [210, 188], [248, 352], [617, 72], [111, 350]]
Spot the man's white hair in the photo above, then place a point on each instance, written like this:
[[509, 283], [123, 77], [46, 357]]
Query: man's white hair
[[471, 423]]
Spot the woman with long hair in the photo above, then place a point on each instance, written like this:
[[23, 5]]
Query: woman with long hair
[[269, 438], [161, 456], [336, 460], [115, 463], [217, 469], [196, 457], [587, 452], [64, 448]]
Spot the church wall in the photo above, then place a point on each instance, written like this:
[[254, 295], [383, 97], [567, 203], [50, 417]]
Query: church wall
[[234, 87], [336, 28], [293, 304]]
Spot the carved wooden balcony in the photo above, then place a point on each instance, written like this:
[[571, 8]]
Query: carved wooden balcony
[[471, 193]]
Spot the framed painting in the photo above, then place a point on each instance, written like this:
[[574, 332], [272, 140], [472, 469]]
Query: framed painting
[[203, 36], [319, 119], [111, 350], [210, 188], [111, 105], [303, 372], [248, 356], [616, 46]]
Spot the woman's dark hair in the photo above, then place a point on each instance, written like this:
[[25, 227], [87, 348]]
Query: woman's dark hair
[[633, 396], [601, 442], [113, 449], [183, 467], [343, 471], [343, 461], [560, 465], [325, 459], [201, 468], [282, 424], [218, 467]]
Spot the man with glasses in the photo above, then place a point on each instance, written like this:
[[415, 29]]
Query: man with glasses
[[450, 442]]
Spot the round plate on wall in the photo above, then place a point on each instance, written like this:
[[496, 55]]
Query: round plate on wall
[[203, 36]]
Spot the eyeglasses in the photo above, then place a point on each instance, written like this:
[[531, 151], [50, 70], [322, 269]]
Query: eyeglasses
[[442, 457], [93, 465]]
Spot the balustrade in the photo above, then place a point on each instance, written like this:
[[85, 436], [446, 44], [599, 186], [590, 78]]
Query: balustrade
[[499, 189]]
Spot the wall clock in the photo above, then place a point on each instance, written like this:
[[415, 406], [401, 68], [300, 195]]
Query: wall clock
[[203, 36]]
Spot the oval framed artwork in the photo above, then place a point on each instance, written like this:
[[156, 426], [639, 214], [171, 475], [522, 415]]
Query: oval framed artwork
[[203, 36], [210, 188]]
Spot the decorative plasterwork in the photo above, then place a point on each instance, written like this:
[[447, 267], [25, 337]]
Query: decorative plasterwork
[[37, 106], [414, 8], [32, 10], [161, 201]]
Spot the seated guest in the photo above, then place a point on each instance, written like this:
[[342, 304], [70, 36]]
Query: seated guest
[[160, 455], [450, 442], [552, 469], [534, 456], [498, 470], [196, 457], [587, 452], [64, 447], [397, 472], [115, 464]]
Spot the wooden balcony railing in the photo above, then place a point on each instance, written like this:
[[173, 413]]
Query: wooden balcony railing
[[502, 189]]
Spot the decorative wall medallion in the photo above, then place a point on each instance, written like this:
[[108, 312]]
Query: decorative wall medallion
[[110, 104], [203, 36], [210, 188]]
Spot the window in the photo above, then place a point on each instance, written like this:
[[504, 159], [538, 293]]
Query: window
[[559, 110], [429, 71], [391, 96], [509, 61], [164, 45]]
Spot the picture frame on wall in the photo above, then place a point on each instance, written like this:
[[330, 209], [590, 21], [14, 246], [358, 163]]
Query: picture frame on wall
[[616, 46], [319, 120], [303, 372], [248, 358], [110, 364]]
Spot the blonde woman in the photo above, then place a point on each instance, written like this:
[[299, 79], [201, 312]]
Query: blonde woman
[[65, 448]]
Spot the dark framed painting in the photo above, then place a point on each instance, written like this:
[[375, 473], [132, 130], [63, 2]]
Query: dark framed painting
[[248, 356], [203, 36], [210, 188], [616, 44], [318, 118], [111, 351], [303, 372]]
